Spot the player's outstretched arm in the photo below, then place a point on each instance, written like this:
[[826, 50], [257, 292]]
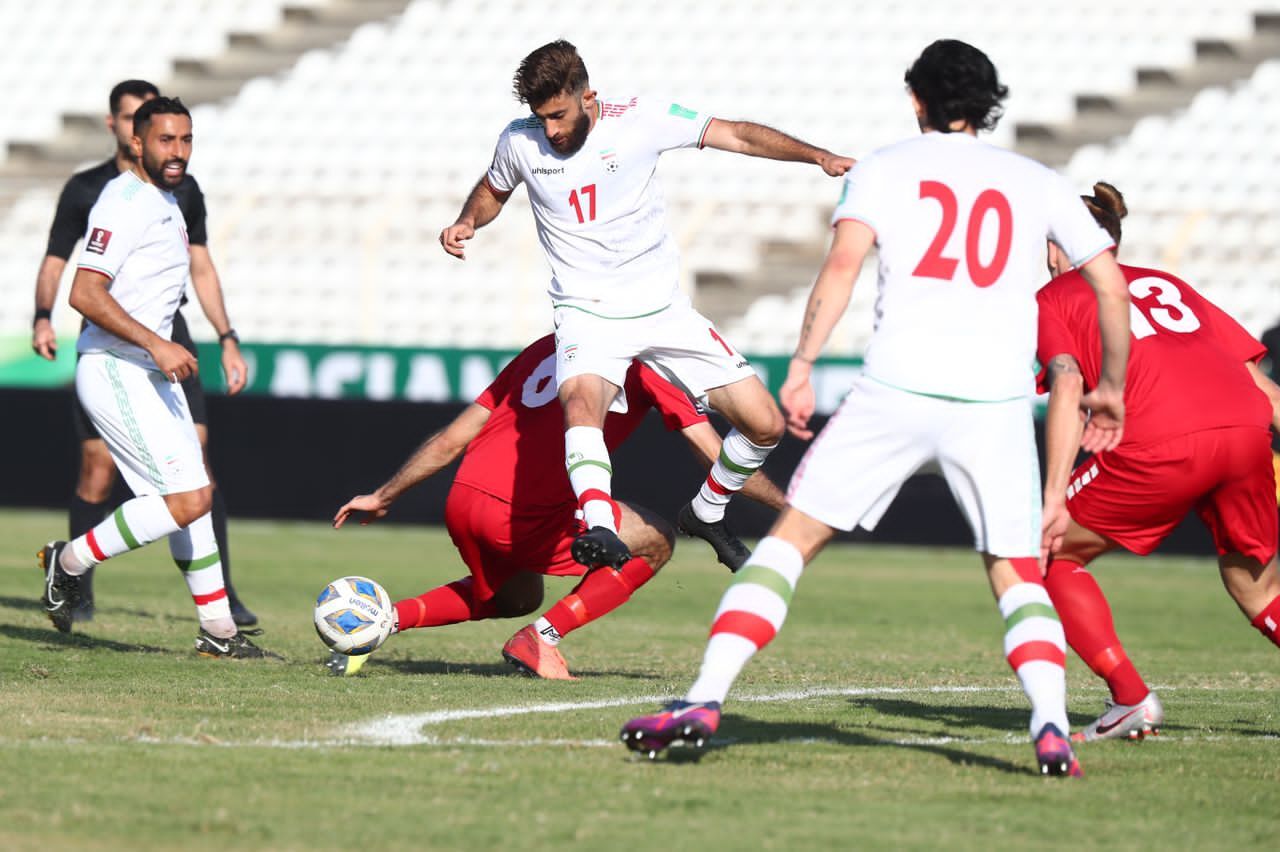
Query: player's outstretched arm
[[1063, 429], [43, 338], [89, 296], [757, 140], [208, 287], [705, 441], [481, 207], [435, 453], [827, 302], [1105, 402]]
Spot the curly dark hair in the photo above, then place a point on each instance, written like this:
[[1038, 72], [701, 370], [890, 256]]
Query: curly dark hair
[[1108, 208], [956, 81], [550, 70]]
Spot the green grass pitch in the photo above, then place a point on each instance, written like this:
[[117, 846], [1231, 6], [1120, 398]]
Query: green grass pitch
[[883, 716]]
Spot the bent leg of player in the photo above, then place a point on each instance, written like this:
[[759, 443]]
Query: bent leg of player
[[1133, 711], [452, 603], [750, 614], [688, 349], [534, 648]]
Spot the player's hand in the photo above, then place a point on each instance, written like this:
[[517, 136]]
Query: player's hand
[[835, 165], [798, 399], [43, 340], [234, 367], [373, 507], [174, 360], [1053, 527], [1105, 427], [454, 236]]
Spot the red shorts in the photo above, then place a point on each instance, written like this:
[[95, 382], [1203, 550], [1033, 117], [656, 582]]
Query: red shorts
[[1137, 496], [497, 543]]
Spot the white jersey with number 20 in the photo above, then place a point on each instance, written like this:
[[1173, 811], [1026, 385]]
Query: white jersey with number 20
[[600, 212], [961, 228]]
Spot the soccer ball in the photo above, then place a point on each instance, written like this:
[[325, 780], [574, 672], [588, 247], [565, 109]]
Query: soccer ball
[[354, 615]]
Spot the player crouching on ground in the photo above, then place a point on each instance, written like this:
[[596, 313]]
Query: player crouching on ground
[[513, 515], [1196, 438], [130, 279]]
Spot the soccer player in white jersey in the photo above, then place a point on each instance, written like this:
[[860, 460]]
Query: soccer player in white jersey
[[589, 167], [960, 227], [130, 279]]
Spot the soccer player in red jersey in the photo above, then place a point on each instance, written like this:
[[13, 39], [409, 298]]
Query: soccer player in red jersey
[[513, 515], [1196, 438]]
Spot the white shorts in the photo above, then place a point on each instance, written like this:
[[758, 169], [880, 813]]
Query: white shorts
[[880, 436], [145, 421], [678, 342]]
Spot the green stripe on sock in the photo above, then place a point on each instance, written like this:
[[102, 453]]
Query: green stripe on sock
[[1030, 610], [185, 565], [763, 575], [594, 462], [736, 468], [125, 532]]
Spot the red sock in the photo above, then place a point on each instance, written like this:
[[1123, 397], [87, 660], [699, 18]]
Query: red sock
[[601, 591], [444, 605], [1268, 621], [1091, 633]]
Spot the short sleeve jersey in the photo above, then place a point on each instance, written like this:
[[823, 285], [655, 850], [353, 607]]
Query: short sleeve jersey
[[137, 238], [600, 213], [1186, 356], [81, 192], [960, 228], [519, 454]]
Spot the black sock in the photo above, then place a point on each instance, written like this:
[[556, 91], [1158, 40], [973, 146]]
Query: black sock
[[85, 515], [219, 514]]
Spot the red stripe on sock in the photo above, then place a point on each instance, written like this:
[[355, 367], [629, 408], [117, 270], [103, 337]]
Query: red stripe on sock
[[752, 627], [201, 600], [92, 541], [596, 494], [1043, 651], [717, 487]]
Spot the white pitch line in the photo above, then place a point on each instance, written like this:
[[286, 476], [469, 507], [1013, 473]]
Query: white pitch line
[[407, 729]]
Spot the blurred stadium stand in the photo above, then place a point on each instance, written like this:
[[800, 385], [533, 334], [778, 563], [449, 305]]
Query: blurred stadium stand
[[335, 139]]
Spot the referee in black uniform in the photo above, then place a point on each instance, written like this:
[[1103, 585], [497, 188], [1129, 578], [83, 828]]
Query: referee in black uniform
[[89, 505]]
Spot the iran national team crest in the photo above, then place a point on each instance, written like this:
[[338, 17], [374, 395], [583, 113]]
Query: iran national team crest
[[610, 159], [571, 352]]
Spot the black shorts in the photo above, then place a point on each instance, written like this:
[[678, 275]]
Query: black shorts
[[191, 386]]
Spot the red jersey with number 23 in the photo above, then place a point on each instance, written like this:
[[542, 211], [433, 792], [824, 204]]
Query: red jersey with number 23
[[1186, 359], [518, 456]]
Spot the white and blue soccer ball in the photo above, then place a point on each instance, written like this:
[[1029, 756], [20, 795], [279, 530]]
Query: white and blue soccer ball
[[354, 615]]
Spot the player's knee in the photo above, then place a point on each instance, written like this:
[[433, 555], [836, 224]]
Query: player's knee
[[188, 506], [654, 542], [766, 427]]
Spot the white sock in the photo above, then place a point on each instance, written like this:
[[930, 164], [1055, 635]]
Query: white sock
[[137, 523], [739, 459], [546, 632], [195, 550], [591, 475], [1035, 647]]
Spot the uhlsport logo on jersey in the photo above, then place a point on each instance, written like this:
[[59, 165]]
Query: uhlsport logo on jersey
[[610, 159], [99, 239]]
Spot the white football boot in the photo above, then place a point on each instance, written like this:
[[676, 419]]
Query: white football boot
[[1125, 721]]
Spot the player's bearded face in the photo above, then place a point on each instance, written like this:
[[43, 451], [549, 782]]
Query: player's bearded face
[[568, 133], [165, 150]]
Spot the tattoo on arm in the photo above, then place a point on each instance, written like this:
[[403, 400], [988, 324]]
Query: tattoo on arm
[[1061, 365], [807, 327]]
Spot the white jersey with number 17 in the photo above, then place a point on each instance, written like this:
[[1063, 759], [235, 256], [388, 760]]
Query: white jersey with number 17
[[600, 213], [961, 228]]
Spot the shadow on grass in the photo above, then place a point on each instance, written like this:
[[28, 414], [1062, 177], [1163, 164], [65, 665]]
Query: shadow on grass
[[446, 667], [53, 640], [33, 603], [950, 718], [747, 731]]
